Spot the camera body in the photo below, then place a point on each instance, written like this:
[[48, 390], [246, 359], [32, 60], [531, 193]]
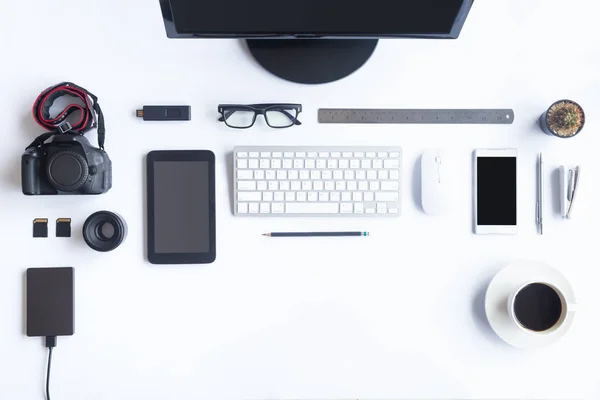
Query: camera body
[[68, 164]]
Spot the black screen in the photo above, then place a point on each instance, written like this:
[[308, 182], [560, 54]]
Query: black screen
[[50, 301], [364, 17], [181, 207], [496, 191]]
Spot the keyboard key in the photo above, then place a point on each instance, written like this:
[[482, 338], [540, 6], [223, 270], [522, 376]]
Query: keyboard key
[[370, 211], [324, 154], [382, 154], [247, 185], [381, 205], [296, 186], [347, 154], [393, 211], [306, 185], [298, 164], [249, 196], [309, 164], [261, 185], [318, 185], [253, 208], [336, 154], [278, 196], [391, 164], [270, 175], [381, 211], [290, 196], [357, 196], [277, 208], [288, 154], [267, 196], [329, 185], [386, 196], [348, 175], [300, 154], [395, 155], [246, 174], [395, 175], [323, 196], [301, 196], [382, 175], [365, 164], [304, 175], [332, 164], [344, 164], [374, 186], [284, 185], [273, 185], [265, 208], [313, 196], [242, 208], [346, 196], [361, 175], [359, 208], [371, 154], [355, 164], [277, 154], [242, 164], [242, 154], [359, 154], [371, 175], [315, 175], [352, 185], [363, 186], [369, 196], [338, 174], [293, 174], [390, 185], [335, 196], [288, 164], [321, 164], [312, 208], [265, 154], [253, 163], [377, 164], [276, 163], [311, 154], [282, 174], [325, 175], [340, 185], [253, 154], [346, 208], [264, 163]]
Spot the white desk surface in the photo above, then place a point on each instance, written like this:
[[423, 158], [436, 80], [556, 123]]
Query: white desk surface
[[394, 316]]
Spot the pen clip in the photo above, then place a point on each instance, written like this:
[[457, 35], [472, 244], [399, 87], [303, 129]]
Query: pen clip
[[573, 186]]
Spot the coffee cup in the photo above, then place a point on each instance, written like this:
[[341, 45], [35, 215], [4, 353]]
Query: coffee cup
[[539, 308]]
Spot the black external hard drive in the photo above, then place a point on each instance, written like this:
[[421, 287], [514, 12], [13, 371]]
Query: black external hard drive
[[50, 301]]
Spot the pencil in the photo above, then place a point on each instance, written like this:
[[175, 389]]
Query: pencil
[[314, 234]]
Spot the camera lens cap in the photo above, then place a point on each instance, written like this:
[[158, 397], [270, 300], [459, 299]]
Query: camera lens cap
[[67, 171]]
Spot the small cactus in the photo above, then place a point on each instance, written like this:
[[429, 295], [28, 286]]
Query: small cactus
[[565, 118]]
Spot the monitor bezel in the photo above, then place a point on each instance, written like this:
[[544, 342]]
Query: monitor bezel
[[172, 32]]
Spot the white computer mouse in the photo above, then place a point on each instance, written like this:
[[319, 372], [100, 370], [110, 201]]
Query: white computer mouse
[[435, 196]]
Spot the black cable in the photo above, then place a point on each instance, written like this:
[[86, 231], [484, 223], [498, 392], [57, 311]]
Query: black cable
[[48, 373], [50, 344]]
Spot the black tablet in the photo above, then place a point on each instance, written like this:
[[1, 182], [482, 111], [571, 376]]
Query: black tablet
[[181, 207]]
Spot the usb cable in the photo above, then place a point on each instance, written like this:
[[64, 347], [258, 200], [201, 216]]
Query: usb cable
[[50, 344]]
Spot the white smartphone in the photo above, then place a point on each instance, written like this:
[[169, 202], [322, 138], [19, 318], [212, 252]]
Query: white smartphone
[[495, 192]]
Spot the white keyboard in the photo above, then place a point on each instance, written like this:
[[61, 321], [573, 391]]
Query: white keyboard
[[317, 181]]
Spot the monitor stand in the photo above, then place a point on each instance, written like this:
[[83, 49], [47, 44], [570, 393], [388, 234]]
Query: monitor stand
[[312, 61]]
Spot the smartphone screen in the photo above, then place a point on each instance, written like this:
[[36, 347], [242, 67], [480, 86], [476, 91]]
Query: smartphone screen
[[496, 191]]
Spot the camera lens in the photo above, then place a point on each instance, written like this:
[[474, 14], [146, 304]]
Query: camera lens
[[104, 231], [67, 171]]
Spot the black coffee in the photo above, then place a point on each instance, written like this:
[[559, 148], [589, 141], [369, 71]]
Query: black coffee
[[538, 307]]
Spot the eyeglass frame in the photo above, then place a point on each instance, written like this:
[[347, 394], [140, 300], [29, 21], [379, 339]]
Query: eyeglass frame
[[261, 109]]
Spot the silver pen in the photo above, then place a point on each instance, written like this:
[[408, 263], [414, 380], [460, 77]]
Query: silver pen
[[540, 195]]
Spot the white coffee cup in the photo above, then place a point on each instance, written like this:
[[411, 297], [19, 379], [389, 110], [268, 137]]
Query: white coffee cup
[[566, 308]]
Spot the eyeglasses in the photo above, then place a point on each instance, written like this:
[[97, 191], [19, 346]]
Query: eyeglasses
[[276, 115]]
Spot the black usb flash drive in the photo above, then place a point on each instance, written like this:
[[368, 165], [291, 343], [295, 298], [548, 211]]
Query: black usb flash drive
[[165, 113]]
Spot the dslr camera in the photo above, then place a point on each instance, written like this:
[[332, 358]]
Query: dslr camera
[[68, 164]]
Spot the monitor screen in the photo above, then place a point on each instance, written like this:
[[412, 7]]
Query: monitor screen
[[330, 18]]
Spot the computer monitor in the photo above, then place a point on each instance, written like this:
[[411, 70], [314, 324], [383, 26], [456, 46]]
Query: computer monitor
[[333, 38]]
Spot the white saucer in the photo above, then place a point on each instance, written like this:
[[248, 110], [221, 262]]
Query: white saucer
[[505, 283]]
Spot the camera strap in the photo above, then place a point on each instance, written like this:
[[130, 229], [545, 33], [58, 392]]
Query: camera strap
[[90, 113]]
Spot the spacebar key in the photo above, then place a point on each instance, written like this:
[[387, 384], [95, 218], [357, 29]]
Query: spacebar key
[[312, 208]]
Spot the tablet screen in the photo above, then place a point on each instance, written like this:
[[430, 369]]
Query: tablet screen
[[181, 207]]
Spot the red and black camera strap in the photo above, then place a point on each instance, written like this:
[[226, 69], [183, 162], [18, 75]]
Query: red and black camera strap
[[90, 113]]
